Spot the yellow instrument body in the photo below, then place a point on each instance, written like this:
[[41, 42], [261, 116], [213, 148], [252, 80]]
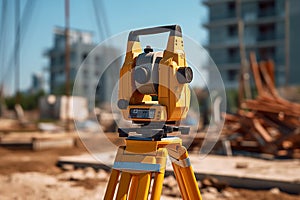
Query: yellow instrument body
[[172, 97]]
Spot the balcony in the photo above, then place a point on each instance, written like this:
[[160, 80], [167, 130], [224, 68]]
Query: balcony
[[223, 22], [231, 14], [233, 59], [267, 13], [264, 14], [266, 37], [247, 22], [249, 44], [212, 2]]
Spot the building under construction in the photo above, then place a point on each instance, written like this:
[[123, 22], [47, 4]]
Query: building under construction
[[88, 81], [268, 27]]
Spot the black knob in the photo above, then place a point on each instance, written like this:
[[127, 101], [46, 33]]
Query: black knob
[[148, 49], [141, 75], [123, 104], [184, 75]]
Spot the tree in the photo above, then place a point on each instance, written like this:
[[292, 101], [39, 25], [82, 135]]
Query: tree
[[28, 101]]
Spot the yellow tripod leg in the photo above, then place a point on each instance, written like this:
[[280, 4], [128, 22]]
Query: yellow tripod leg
[[181, 161], [143, 188], [191, 184], [111, 186], [189, 178], [133, 187], [123, 186], [157, 185], [180, 182]]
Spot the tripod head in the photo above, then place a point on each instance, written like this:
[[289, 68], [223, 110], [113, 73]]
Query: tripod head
[[153, 86]]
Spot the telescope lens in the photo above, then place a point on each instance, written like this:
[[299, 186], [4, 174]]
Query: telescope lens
[[184, 75], [141, 75]]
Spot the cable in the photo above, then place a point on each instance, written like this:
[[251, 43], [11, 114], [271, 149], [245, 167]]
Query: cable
[[104, 30], [98, 20], [25, 19], [104, 16], [3, 34], [17, 50]]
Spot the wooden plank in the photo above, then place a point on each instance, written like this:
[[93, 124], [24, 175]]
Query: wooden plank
[[281, 126], [272, 119], [269, 107], [296, 154], [258, 137], [249, 144], [258, 175], [230, 117], [262, 131], [267, 79], [257, 77], [46, 143], [253, 183], [247, 114], [270, 68], [288, 104], [266, 121], [266, 69], [241, 89]]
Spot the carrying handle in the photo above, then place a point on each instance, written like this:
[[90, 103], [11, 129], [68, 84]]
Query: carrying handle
[[175, 30]]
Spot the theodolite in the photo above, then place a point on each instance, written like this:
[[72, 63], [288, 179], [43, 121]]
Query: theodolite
[[154, 95]]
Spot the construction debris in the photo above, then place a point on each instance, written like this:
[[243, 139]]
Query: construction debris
[[267, 124], [37, 141], [209, 187]]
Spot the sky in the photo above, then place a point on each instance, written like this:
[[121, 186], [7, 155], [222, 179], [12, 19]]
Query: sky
[[121, 16]]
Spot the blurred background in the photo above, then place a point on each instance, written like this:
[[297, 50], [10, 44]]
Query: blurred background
[[45, 46]]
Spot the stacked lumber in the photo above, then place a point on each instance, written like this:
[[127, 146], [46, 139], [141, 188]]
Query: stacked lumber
[[268, 123]]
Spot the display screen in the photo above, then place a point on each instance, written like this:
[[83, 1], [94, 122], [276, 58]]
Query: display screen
[[140, 113]]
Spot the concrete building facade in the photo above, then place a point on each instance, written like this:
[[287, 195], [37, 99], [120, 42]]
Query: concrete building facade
[[271, 29], [87, 81], [37, 83]]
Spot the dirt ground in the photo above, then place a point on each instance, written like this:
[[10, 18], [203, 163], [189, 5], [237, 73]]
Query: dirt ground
[[26, 174]]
